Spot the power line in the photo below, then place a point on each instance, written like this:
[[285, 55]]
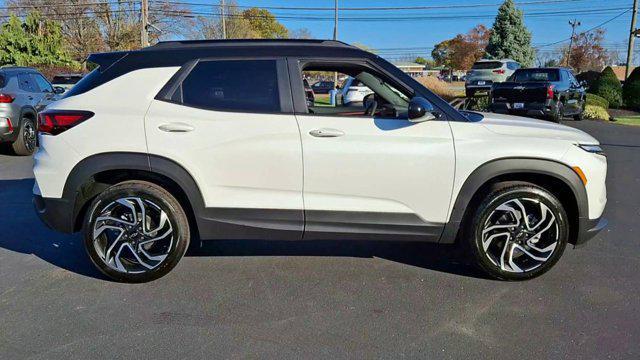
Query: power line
[[387, 8], [596, 11], [587, 31]]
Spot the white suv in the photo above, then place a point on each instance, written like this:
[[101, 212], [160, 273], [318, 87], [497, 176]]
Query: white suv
[[484, 73], [215, 140]]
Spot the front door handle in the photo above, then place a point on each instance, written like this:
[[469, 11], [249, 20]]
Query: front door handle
[[325, 133], [176, 127]]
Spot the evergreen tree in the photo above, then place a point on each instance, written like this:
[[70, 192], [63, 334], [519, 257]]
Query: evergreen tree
[[31, 42], [609, 87], [631, 90], [510, 38]]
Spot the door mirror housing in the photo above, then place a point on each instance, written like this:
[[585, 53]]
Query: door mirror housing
[[420, 110]]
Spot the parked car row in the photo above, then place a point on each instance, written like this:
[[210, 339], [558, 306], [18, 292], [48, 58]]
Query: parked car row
[[24, 92], [552, 93]]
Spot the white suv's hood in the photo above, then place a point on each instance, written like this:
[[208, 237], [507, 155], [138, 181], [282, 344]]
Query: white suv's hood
[[528, 127]]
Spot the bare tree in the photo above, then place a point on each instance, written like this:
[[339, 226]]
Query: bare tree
[[103, 25]]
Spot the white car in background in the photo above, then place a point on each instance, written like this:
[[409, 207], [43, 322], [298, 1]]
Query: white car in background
[[485, 72], [354, 91]]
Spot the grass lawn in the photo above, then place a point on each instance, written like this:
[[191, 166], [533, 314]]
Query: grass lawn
[[628, 120], [322, 100]]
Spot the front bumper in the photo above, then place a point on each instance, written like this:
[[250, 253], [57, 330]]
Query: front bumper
[[588, 229], [57, 214]]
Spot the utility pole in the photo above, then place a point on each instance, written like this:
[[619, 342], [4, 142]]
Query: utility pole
[[224, 21], [632, 36], [335, 37], [144, 22], [575, 23]]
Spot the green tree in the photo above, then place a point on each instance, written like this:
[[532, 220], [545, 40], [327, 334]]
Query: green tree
[[631, 90], [265, 24], [609, 87], [441, 53], [510, 38], [34, 41]]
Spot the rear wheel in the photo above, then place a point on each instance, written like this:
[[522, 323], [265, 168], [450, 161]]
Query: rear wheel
[[519, 232], [25, 144], [135, 231]]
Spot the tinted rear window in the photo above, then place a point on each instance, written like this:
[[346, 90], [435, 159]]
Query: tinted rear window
[[3, 81], [533, 75], [233, 85], [487, 65], [66, 80]]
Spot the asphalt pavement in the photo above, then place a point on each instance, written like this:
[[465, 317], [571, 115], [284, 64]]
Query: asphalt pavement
[[330, 300]]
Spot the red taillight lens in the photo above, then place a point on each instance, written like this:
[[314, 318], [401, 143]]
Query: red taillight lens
[[499, 71], [54, 122], [6, 99], [550, 91]]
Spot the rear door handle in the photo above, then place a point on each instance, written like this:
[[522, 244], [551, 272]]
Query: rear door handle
[[176, 127], [326, 133]]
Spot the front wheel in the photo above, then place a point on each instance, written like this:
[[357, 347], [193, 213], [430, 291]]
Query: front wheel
[[135, 231], [518, 232]]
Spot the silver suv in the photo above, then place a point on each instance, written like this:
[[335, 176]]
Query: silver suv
[[23, 92], [486, 72]]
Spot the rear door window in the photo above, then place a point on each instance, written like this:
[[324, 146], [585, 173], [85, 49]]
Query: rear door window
[[26, 83], [234, 85]]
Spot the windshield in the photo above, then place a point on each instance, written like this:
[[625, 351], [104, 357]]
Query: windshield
[[534, 75]]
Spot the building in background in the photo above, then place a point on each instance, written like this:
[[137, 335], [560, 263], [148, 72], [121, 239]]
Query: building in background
[[411, 68]]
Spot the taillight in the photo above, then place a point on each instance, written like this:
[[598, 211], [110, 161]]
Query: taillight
[[54, 122], [6, 99], [499, 71], [550, 91]]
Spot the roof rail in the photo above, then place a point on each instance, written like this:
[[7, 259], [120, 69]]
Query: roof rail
[[246, 42], [14, 67]]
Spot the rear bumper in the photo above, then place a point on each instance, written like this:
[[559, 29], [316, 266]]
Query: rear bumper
[[8, 129], [469, 88], [528, 109], [57, 214], [588, 229]]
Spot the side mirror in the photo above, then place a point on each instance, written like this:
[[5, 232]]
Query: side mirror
[[420, 110], [58, 90]]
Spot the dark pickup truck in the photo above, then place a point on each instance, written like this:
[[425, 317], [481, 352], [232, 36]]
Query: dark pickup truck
[[552, 93]]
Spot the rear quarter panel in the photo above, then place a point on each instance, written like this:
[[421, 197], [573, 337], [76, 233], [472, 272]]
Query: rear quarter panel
[[119, 106]]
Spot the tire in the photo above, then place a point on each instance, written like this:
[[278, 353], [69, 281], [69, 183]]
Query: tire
[[25, 143], [470, 93], [558, 114], [579, 116], [505, 252], [127, 249]]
